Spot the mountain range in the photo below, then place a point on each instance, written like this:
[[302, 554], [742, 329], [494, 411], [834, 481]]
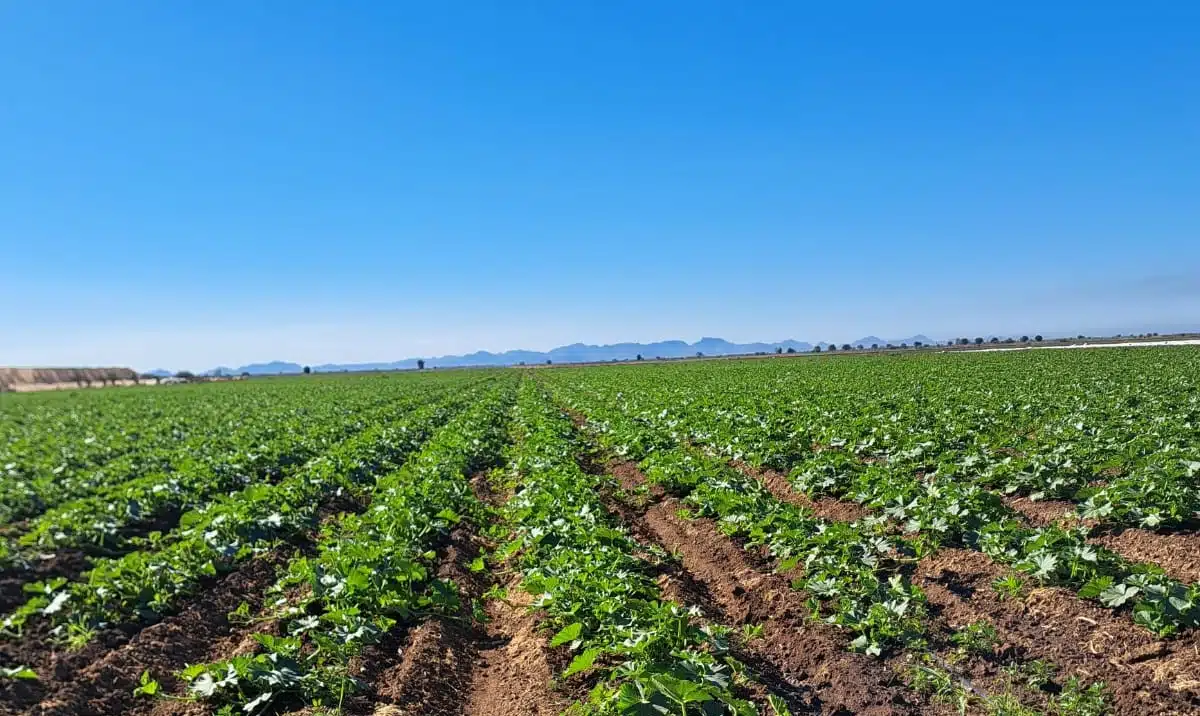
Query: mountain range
[[574, 353]]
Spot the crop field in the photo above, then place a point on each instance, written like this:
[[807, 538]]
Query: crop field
[[1005, 534]]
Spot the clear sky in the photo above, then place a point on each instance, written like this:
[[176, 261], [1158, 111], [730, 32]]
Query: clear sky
[[187, 184]]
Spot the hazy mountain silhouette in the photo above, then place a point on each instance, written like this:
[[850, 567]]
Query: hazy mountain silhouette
[[574, 353]]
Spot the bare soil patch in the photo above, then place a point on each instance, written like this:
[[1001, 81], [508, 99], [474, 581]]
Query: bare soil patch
[[1145, 675], [1178, 554]]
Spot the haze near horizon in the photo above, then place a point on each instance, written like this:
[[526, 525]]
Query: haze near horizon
[[188, 186]]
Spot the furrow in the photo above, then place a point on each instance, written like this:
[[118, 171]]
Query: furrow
[[1146, 676], [810, 658]]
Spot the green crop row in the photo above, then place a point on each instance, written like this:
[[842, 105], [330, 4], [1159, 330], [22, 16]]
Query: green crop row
[[102, 518], [151, 432], [905, 463], [373, 572], [648, 653], [214, 539]]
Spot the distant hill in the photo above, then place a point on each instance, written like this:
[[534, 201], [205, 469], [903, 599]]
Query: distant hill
[[272, 368], [574, 353]]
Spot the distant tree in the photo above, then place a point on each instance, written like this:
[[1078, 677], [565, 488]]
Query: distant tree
[[963, 341], [1081, 336], [995, 339], [521, 363], [791, 350], [245, 374], [978, 341], [1024, 339], [186, 375], [890, 347], [778, 350], [548, 361], [1038, 338], [874, 346], [699, 354], [847, 347], [904, 345], [832, 347], [307, 370], [420, 364], [816, 349], [639, 356], [918, 344]]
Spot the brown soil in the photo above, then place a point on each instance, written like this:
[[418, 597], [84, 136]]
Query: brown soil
[[435, 658], [460, 667], [800, 659], [1044, 512], [100, 678], [1145, 676], [515, 668], [826, 508], [1178, 554], [69, 563], [514, 672], [435, 666]]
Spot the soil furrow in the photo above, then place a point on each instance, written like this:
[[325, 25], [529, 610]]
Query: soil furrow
[[514, 670], [100, 679], [1177, 554], [809, 658], [514, 667], [826, 508], [69, 563], [459, 667], [1145, 676], [1042, 513], [424, 673]]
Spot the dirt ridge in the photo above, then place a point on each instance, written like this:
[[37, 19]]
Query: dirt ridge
[[810, 658], [460, 667], [1147, 676]]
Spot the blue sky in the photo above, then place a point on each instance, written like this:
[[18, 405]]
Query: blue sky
[[191, 184]]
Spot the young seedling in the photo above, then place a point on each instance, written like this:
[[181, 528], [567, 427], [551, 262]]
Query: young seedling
[[978, 638], [1009, 587], [1075, 700]]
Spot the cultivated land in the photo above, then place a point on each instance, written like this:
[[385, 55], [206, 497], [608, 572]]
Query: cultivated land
[[998, 533]]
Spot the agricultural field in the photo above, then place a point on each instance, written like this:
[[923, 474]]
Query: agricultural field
[[1001, 534]]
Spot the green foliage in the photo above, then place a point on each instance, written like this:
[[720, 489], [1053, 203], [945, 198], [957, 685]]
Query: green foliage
[[1078, 700], [930, 445], [977, 638], [650, 656], [372, 572]]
